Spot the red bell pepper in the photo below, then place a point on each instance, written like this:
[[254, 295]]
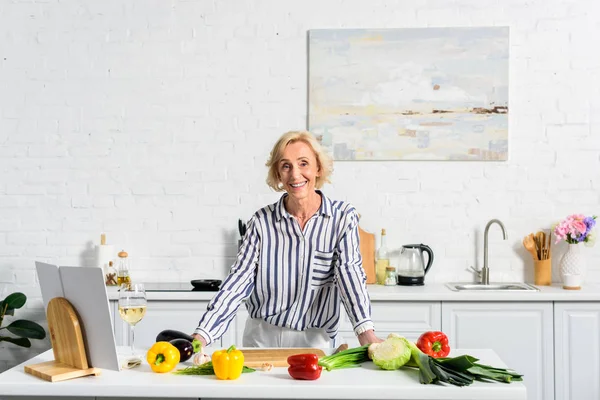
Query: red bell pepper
[[434, 344], [304, 366]]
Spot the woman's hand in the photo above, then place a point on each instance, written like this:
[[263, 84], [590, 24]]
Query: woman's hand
[[200, 338], [368, 337]]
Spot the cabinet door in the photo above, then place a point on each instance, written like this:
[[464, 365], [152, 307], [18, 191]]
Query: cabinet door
[[178, 315], [406, 319], [577, 350], [120, 327], [44, 398], [520, 333]]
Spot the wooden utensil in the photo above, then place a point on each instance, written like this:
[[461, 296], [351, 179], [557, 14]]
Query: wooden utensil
[[530, 245], [541, 239], [537, 246], [367, 252], [255, 358]]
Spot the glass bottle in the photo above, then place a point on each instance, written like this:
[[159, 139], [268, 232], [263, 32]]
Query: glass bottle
[[390, 276], [383, 259], [110, 275], [123, 276]]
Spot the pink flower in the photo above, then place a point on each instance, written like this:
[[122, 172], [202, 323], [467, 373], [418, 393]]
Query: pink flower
[[577, 228], [560, 232]]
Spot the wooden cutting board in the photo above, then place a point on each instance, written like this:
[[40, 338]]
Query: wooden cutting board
[[367, 251], [255, 358]]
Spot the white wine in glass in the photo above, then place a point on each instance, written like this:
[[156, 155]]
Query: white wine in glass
[[132, 315], [132, 307]]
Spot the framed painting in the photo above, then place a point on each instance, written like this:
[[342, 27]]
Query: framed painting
[[410, 94]]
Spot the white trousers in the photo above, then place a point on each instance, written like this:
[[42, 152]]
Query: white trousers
[[259, 333]]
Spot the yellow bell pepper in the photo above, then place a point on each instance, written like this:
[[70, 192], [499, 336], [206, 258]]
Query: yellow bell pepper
[[228, 364], [162, 357]]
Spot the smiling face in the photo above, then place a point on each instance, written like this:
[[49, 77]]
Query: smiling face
[[298, 170]]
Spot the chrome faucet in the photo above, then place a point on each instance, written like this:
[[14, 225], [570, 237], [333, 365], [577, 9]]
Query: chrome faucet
[[484, 274]]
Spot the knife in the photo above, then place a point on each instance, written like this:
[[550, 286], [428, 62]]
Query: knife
[[341, 347], [241, 228]]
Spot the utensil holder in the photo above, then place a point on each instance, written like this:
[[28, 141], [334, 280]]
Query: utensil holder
[[543, 272]]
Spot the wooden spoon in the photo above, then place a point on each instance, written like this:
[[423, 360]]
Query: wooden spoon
[[536, 242], [529, 243]]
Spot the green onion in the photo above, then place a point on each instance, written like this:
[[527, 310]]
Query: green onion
[[345, 359], [205, 369]]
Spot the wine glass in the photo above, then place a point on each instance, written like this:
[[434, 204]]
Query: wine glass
[[132, 307]]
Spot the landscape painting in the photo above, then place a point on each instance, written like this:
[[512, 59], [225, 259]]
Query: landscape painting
[[410, 94]]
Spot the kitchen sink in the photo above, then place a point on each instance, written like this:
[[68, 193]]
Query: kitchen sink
[[492, 287]]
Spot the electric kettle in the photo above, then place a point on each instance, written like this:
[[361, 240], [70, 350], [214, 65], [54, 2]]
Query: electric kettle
[[411, 266]]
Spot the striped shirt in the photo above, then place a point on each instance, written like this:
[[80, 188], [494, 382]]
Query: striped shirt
[[295, 278]]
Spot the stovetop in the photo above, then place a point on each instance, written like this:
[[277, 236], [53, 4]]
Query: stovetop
[[168, 287], [198, 285]]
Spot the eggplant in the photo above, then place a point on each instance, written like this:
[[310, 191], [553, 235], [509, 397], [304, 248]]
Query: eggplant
[[169, 334], [185, 347]]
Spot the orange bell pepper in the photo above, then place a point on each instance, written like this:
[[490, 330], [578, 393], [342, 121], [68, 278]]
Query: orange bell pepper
[[162, 357], [228, 363]]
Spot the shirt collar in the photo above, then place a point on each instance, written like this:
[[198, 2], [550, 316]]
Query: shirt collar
[[325, 209]]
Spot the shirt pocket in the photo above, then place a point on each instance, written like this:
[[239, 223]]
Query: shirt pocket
[[323, 264]]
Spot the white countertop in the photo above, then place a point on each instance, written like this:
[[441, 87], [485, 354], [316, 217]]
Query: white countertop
[[428, 292], [366, 382]]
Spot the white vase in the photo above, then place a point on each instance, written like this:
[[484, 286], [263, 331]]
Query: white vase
[[572, 268]]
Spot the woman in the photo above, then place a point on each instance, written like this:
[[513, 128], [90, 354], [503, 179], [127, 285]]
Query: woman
[[298, 261]]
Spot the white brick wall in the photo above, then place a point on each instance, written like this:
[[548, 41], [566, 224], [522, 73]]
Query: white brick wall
[[151, 121]]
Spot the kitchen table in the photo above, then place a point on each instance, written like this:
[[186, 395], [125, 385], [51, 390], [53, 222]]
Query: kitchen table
[[366, 382]]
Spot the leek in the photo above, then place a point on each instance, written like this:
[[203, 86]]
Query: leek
[[458, 371]]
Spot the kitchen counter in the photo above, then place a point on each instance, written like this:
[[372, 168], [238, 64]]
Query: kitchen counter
[[366, 382], [428, 292]]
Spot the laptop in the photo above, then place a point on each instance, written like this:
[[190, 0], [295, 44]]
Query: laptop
[[84, 288]]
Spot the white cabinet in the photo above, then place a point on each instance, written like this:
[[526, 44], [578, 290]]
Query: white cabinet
[[44, 398], [408, 319], [520, 333], [577, 350], [160, 315]]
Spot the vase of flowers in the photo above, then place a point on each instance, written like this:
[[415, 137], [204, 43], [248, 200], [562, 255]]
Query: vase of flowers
[[574, 229]]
